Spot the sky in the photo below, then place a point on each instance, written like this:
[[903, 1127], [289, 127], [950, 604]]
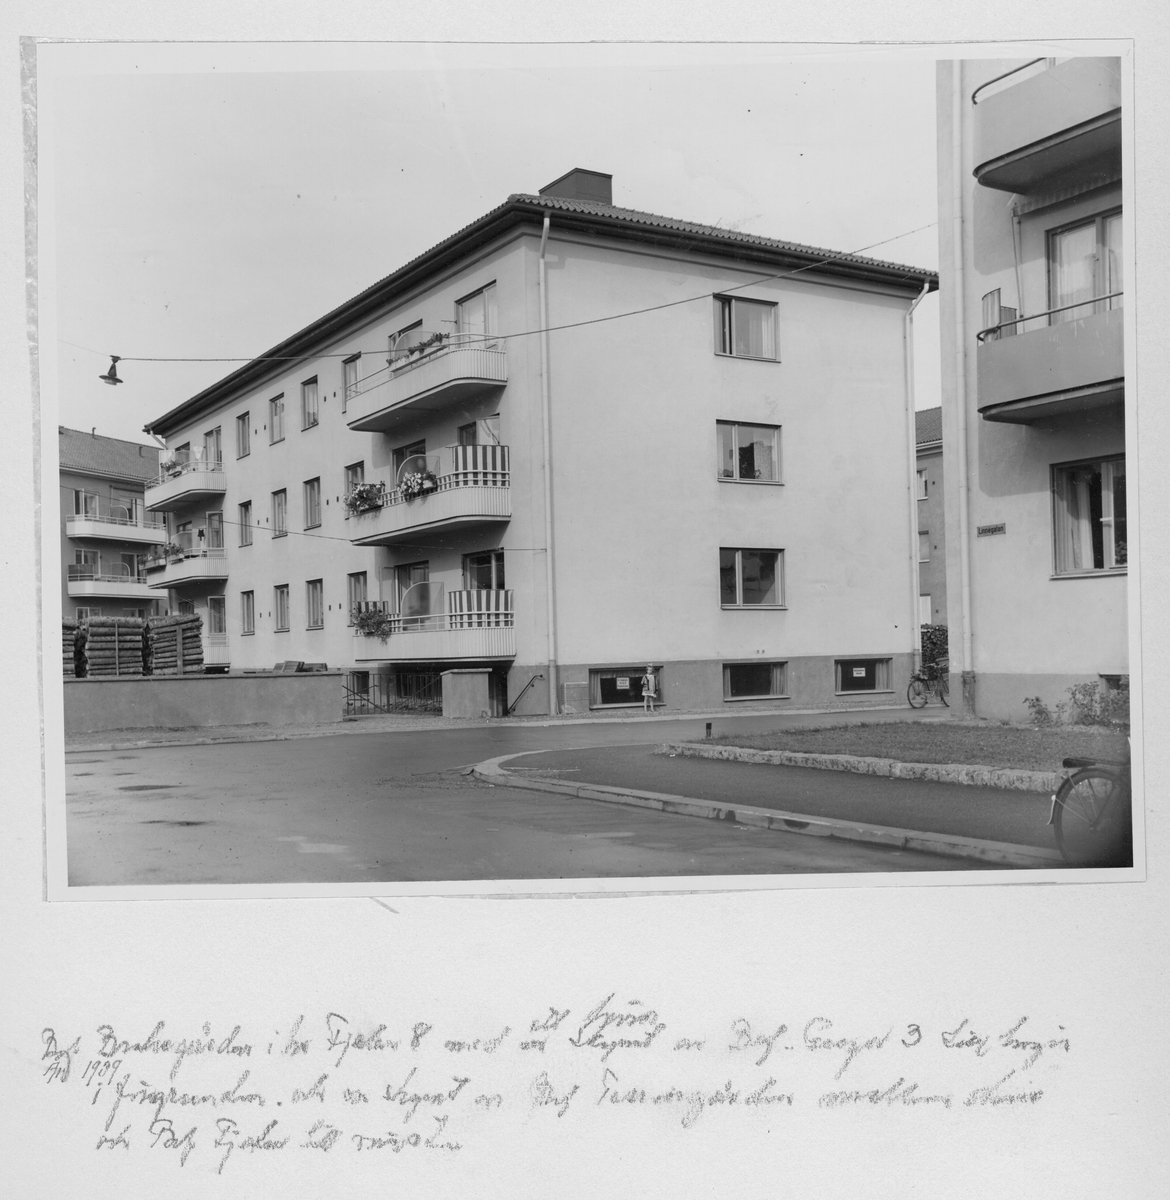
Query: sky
[[202, 201]]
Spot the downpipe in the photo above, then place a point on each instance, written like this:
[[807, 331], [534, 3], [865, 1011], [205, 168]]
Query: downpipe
[[546, 414]]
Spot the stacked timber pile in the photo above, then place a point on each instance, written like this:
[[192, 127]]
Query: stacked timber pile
[[113, 646], [174, 646], [72, 642]]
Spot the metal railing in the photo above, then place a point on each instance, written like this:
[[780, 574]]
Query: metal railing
[[367, 693], [84, 574], [410, 353], [986, 334], [466, 609], [1006, 75], [177, 467], [108, 518], [470, 466]]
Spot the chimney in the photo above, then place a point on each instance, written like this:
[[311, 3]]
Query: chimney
[[580, 184]]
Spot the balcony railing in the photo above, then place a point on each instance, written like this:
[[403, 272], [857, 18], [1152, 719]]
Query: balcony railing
[[187, 565], [474, 488], [94, 574], [1017, 324], [477, 624], [454, 368], [84, 580], [117, 523], [181, 481]]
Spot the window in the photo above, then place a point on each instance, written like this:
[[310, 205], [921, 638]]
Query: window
[[280, 605], [314, 603], [216, 615], [406, 576], [617, 686], [309, 403], [750, 452], [83, 613], [243, 435], [215, 531], [484, 571], [404, 453], [312, 503], [476, 317], [1089, 516], [355, 592], [923, 546], [924, 610], [485, 432], [86, 564], [212, 449], [245, 511], [279, 513], [745, 328], [921, 485], [247, 612], [754, 680], [1084, 262], [349, 379], [355, 474], [182, 454], [85, 504], [186, 608], [751, 577], [863, 675], [276, 419]]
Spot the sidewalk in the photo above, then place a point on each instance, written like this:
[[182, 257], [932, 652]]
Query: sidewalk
[[992, 824]]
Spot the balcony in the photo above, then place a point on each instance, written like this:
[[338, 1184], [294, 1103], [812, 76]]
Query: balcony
[[465, 486], [84, 581], [476, 625], [1053, 369], [1057, 127], [447, 372], [180, 567], [183, 483], [118, 525]]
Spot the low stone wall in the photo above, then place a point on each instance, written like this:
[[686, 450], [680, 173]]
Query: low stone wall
[[1012, 778], [184, 701]]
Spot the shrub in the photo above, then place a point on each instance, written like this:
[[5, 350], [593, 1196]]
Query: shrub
[[373, 622], [934, 643], [1087, 704]]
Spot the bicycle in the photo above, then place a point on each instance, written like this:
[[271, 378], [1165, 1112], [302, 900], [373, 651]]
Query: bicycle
[[1092, 814], [931, 679]]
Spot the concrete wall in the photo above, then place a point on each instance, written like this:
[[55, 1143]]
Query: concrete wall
[[202, 700]]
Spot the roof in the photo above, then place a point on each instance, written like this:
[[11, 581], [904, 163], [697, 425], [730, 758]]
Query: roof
[[93, 454], [928, 426], [587, 216]]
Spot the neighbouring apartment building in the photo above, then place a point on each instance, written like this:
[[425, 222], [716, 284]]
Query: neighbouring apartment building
[[106, 532], [482, 459], [932, 536], [1031, 247]]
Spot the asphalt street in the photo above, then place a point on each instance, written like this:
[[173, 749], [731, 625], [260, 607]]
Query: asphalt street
[[395, 807]]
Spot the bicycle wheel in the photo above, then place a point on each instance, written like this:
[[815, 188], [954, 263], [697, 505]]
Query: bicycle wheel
[[1093, 819], [944, 690], [917, 693]]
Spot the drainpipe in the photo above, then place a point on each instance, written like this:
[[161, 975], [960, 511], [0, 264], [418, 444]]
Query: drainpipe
[[967, 657], [545, 409], [912, 447]]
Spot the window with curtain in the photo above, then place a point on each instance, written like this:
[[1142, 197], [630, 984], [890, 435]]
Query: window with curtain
[[315, 603], [312, 503], [1089, 517], [349, 379], [745, 328], [280, 606], [484, 571], [243, 435], [212, 447], [245, 511], [247, 612], [276, 419], [1084, 264], [476, 316], [754, 680], [355, 592], [280, 513], [309, 403]]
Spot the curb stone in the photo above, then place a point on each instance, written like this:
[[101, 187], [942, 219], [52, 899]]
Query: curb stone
[[1011, 778], [951, 845]]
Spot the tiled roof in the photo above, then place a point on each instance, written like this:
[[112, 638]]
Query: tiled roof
[[634, 217], [928, 425], [93, 454]]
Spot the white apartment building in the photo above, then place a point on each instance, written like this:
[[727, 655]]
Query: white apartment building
[[585, 440], [1030, 220]]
